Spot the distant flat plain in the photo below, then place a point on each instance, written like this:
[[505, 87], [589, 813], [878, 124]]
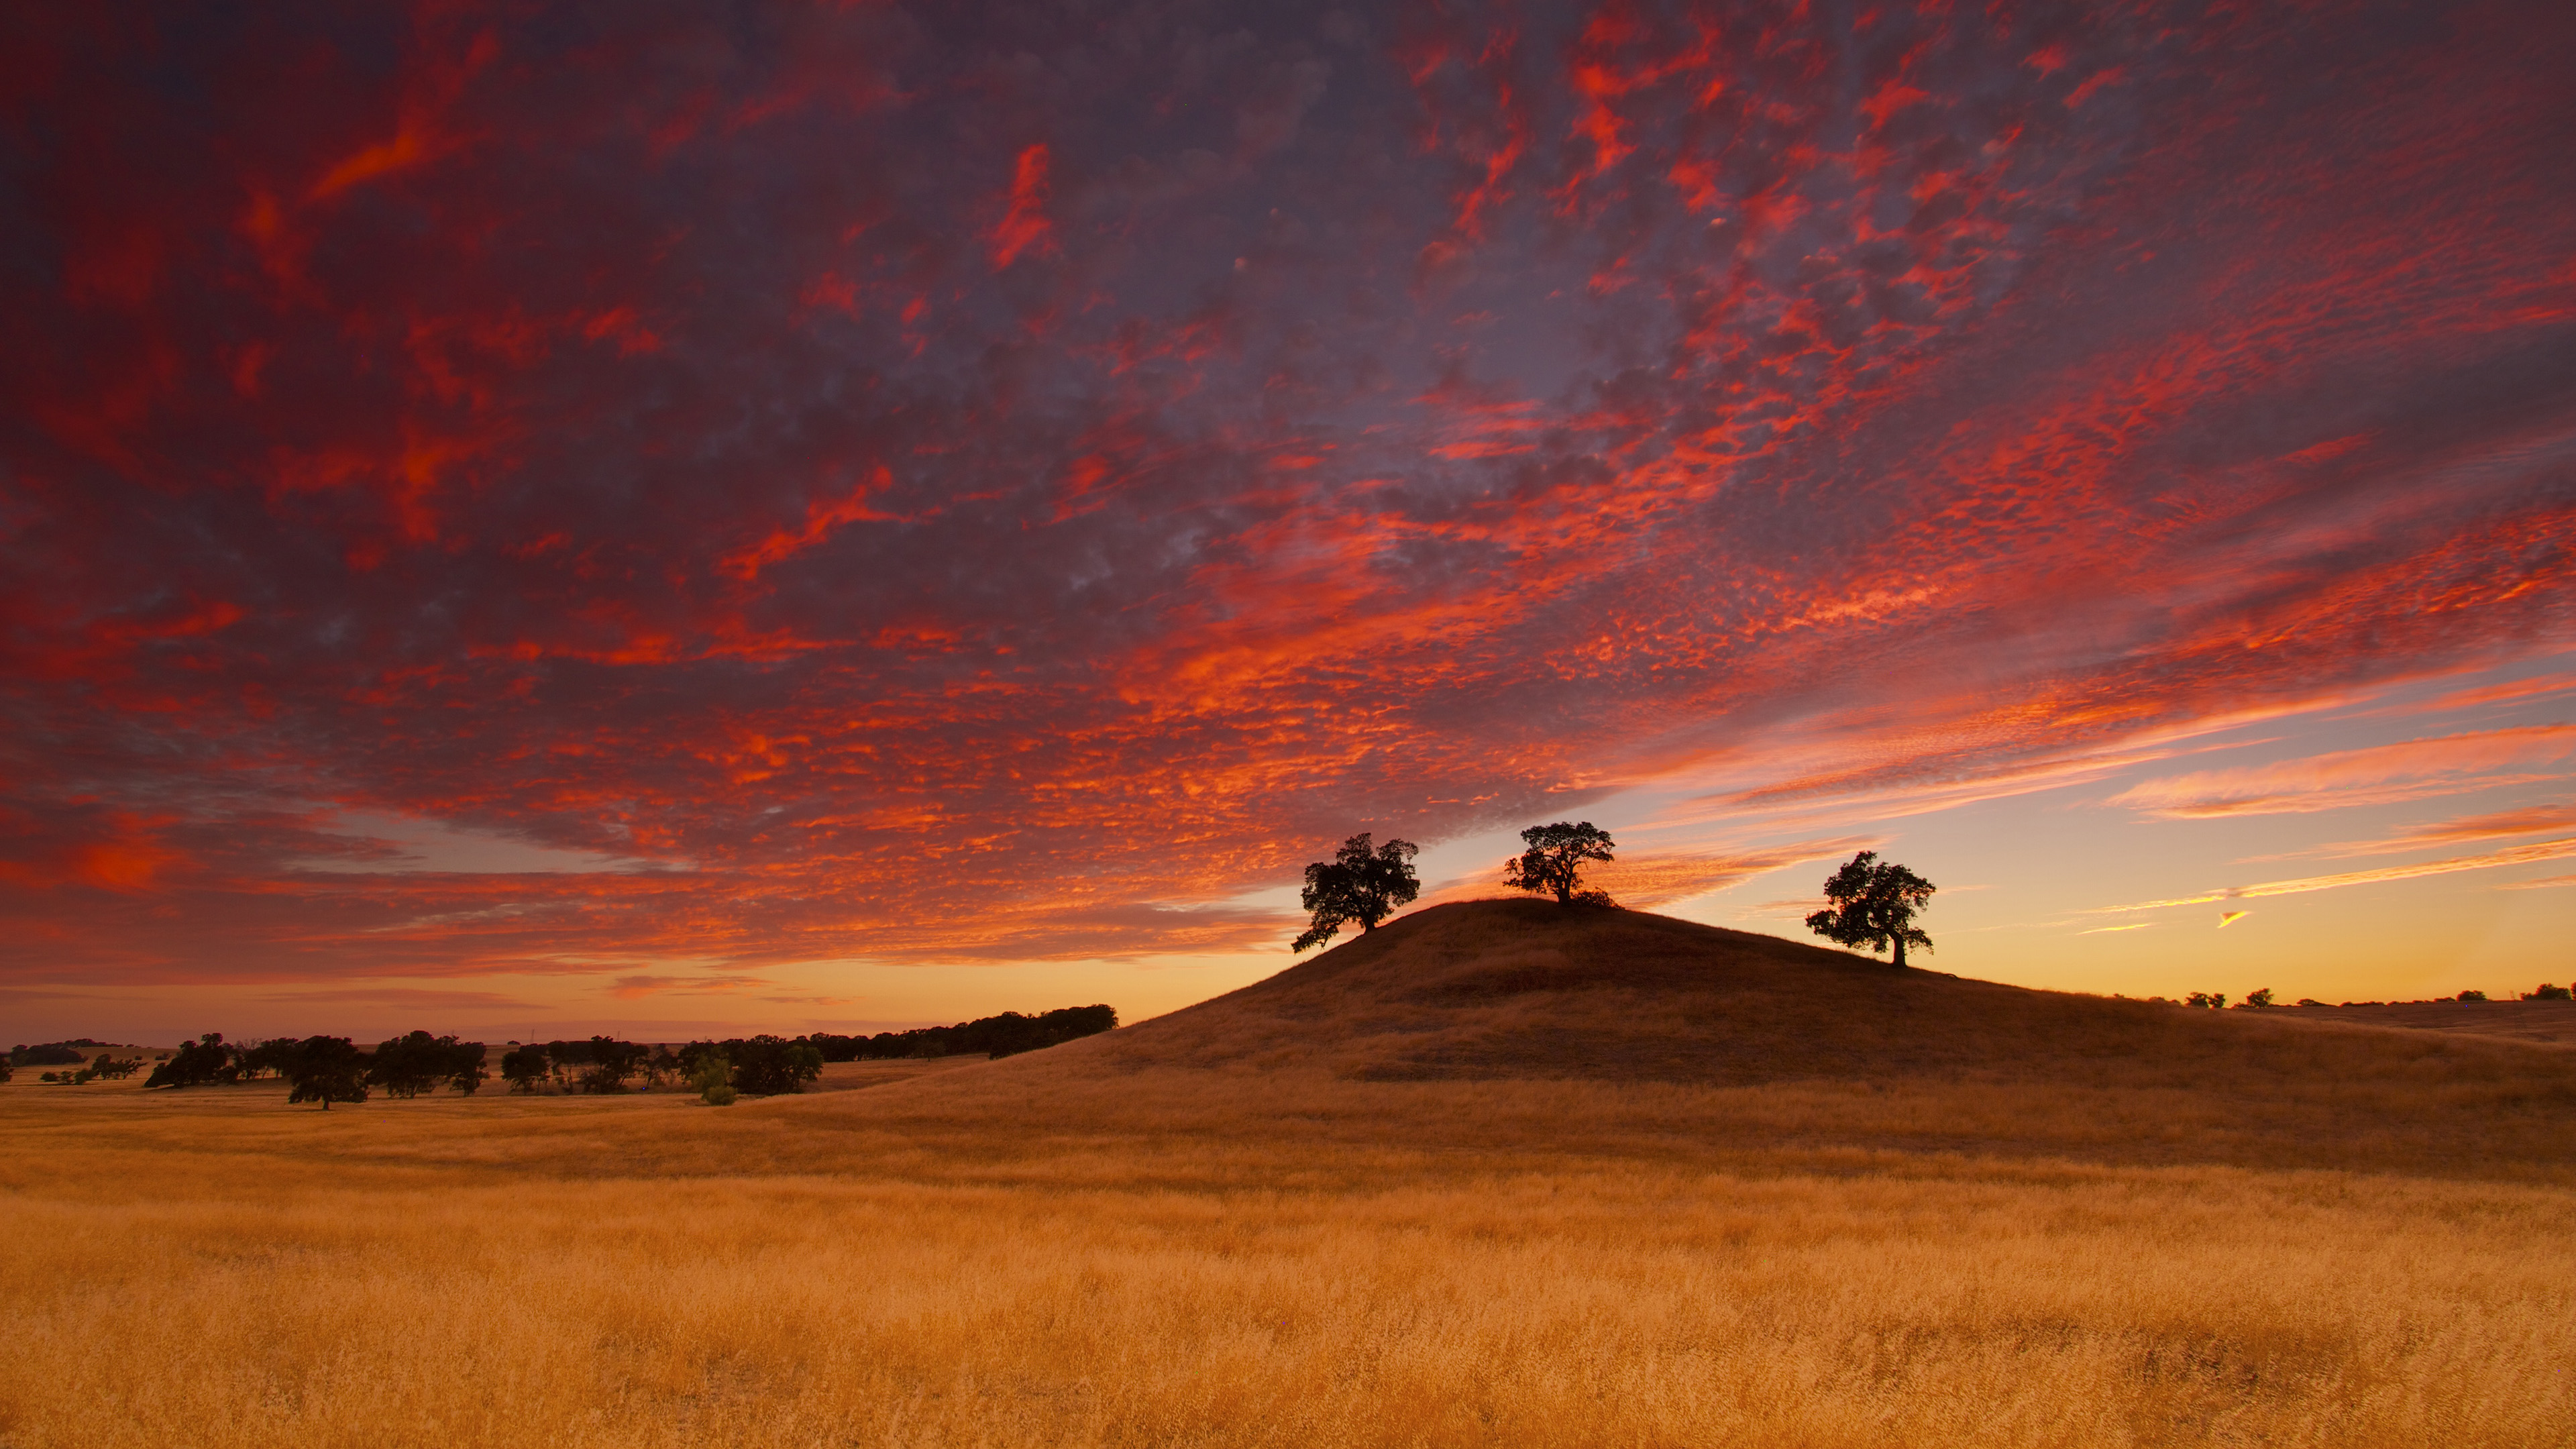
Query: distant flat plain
[[1374, 1202]]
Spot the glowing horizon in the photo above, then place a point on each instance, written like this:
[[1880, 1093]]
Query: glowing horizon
[[873, 515]]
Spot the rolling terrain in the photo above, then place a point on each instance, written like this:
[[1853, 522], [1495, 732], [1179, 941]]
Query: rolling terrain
[[1495, 1174], [1512, 1021]]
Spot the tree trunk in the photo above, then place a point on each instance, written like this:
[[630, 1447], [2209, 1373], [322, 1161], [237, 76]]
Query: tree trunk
[[1900, 952]]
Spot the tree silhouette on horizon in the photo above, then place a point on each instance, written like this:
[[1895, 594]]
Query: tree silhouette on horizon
[[1555, 858], [1874, 904], [1359, 883]]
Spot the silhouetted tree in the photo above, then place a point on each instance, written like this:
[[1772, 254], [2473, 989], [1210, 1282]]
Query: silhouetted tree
[[768, 1065], [611, 1063], [1555, 859], [114, 1069], [5, 1072], [524, 1068], [196, 1064], [2546, 992], [1358, 884], [54, 1053], [2259, 1000], [661, 1067], [465, 1066], [1874, 903], [327, 1069], [2213, 1000], [407, 1066], [266, 1057]]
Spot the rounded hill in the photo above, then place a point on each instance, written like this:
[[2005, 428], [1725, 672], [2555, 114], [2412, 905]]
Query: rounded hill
[[1528, 989]]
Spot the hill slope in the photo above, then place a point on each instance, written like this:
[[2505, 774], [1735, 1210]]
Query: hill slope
[[1526, 989], [1511, 1026]]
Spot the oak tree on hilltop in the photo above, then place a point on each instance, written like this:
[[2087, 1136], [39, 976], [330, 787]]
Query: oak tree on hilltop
[[1873, 905], [1555, 859], [1358, 884]]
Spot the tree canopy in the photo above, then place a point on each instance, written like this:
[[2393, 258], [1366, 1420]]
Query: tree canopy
[[409, 1065], [197, 1063], [327, 1069], [1358, 884], [1555, 859], [1872, 904]]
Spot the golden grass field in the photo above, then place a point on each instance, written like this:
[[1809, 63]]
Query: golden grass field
[[1463, 1182]]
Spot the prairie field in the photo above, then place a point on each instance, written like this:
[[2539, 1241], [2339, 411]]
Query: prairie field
[[1210, 1229]]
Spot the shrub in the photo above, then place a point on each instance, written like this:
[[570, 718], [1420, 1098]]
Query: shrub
[[713, 1077], [2213, 1000], [2546, 992], [2472, 996], [2258, 1000]]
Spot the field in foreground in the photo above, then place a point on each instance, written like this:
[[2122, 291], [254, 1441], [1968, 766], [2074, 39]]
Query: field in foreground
[[1338, 1209]]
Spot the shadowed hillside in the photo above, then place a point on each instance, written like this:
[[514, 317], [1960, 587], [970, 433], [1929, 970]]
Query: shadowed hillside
[[1496, 989], [1515, 1022]]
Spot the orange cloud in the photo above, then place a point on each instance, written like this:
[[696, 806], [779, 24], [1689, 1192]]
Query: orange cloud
[[2495, 825], [2382, 774], [2517, 855]]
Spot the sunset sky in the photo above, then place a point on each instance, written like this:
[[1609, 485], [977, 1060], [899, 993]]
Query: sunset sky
[[667, 519]]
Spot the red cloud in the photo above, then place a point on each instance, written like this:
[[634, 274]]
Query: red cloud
[[1025, 226], [653, 448]]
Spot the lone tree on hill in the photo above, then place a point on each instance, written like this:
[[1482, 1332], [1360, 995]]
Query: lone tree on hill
[[1358, 884], [1555, 859], [1874, 903]]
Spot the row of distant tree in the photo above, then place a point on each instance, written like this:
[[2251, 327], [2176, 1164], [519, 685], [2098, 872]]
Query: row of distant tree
[[328, 1069], [1869, 903], [2261, 999]]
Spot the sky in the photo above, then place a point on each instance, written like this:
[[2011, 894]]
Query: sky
[[669, 519]]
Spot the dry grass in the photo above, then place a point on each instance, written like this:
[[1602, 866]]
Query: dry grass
[[1101, 1246]]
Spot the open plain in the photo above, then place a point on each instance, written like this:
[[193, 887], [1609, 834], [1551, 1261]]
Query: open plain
[[1493, 1174]]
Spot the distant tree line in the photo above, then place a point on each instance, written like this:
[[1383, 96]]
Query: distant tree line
[[1006, 1035], [328, 1069], [54, 1053]]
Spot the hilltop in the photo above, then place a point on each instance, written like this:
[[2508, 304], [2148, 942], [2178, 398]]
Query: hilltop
[[1518, 1020], [1525, 989]]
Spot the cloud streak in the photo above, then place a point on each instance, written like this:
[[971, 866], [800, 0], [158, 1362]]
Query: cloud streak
[[2380, 775], [2515, 855]]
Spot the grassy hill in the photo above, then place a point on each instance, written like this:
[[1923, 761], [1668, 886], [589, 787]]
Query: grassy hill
[[1623, 1024]]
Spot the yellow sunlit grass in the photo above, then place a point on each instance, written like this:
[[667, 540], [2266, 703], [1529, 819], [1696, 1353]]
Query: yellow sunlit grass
[[1309, 1216]]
